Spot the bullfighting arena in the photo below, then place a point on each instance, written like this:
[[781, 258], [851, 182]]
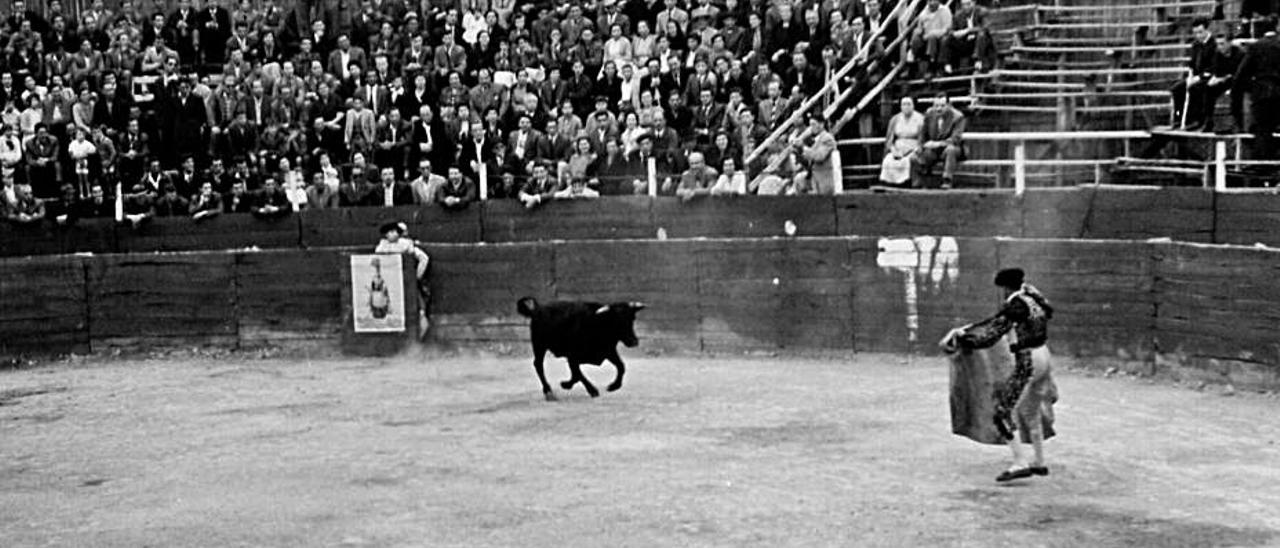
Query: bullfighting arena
[[461, 450]]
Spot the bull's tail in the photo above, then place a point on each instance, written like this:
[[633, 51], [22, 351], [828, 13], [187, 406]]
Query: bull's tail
[[526, 306]]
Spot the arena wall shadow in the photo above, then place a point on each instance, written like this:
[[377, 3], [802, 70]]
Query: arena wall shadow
[[1156, 307]]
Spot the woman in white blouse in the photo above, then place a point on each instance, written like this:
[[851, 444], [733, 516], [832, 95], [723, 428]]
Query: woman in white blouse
[[902, 143], [644, 43], [731, 181]]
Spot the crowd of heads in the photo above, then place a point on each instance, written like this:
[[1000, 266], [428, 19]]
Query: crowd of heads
[[245, 95]]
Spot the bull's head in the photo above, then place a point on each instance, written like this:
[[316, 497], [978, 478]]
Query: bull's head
[[622, 317]]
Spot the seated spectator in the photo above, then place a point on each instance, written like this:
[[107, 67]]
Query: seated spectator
[[97, 206], [293, 183], [354, 191], [65, 210], [26, 210], [170, 203], [929, 43], [205, 203], [540, 188], [139, 205], [970, 40], [942, 141], [902, 143], [698, 179], [732, 181], [238, 200], [609, 171], [577, 189], [1191, 94], [270, 201], [457, 192], [1224, 73], [389, 192], [319, 194], [426, 184], [639, 173], [581, 161]]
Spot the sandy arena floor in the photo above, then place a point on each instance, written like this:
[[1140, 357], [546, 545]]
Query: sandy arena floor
[[692, 452]]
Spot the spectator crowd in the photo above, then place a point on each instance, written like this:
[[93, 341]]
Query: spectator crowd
[[154, 108]]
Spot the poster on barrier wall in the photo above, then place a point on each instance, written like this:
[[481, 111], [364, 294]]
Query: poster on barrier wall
[[377, 293]]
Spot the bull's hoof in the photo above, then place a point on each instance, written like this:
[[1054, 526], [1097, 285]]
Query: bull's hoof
[[594, 393], [613, 387], [550, 396], [568, 385]]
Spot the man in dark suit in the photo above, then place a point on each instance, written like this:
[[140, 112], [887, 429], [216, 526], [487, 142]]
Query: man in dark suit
[[474, 151], [941, 136], [1189, 92], [557, 145], [1259, 74], [390, 192], [525, 142], [708, 117], [182, 26], [970, 39], [392, 142], [429, 140], [214, 24]]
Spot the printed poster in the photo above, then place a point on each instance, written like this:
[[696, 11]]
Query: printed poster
[[377, 293]]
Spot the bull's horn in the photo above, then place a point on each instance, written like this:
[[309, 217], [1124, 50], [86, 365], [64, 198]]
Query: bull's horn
[[602, 309], [637, 305]]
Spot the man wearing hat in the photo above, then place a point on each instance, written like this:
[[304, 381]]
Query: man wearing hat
[[1023, 402], [395, 239]]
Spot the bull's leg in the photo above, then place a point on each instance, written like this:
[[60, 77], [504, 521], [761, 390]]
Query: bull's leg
[[622, 370], [568, 385], [577, 374], [538, 355]]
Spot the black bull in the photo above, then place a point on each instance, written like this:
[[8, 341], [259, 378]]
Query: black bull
[[581, 333]]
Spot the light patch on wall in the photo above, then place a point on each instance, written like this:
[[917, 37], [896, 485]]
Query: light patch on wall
[[923, 260]]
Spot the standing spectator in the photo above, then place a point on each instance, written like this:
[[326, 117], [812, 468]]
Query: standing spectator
[[80, 149], [359, 131], [1259, 74], [817, 153], [214, 24]]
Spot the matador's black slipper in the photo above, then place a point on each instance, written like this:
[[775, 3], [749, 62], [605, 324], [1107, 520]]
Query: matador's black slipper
[[1010, 475], [1039, 470]]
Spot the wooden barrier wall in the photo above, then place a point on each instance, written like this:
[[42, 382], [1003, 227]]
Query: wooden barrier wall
[[1183, 214], [1186, 310]]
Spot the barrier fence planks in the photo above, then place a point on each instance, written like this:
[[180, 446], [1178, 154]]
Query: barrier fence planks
[[744, 217], [43, 306], [775, 294], [289, 298], [163, 300], [955, 213], [1186, 310], [1184, 214], [623, 217], [226, 231], [475, 288], [1218, 313], [1248, 219]]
